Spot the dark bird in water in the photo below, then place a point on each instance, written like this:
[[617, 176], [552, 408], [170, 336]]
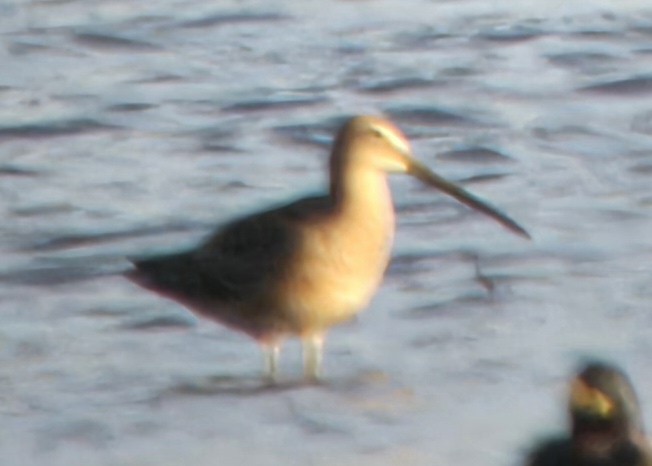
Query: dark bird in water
[[299, 269], [606, 426]]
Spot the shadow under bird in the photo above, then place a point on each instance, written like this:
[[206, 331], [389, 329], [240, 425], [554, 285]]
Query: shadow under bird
[[299, 269], [606, 424]]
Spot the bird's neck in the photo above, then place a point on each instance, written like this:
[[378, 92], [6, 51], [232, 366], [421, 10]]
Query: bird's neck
[[362, 192]]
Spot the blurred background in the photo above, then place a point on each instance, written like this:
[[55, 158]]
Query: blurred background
[[129, 128]]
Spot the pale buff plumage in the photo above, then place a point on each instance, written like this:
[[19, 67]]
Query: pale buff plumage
[[299, 269]]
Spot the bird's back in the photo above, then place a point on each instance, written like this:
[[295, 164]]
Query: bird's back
[[239, 265]]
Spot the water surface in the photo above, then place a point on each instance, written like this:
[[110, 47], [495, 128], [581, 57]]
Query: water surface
[[132, 128]]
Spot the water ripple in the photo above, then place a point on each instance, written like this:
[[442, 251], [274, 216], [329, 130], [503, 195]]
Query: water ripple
[[55, 128], [274, 103], [627, 86], [475, 154], [223, 19], [387, 86], [112, 41], [428, 115]]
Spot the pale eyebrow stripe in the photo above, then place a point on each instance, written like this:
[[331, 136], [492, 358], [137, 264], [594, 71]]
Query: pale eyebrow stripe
[[396, 140]]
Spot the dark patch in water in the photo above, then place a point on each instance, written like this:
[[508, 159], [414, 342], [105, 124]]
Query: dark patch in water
[[580, 59], [474, 154], [24, 48], [9, 170], [158, 322], [636, 85], [644, 168], [427, 115], [42, 209], [645, 29], [496, 280], [114, 310], [562, 132], [54, 275], [219, 139], [233, 185], [214, 146], [76, 98], [440, 339], [148, 19], [276, 103], [621, 215], [223, 19], [458, 71], [54, 128], [160, 79], [645, 202], [108, 41], [399, 84], [421, 39], [482, 177], [130, 107], [597, 33], [351, 49]]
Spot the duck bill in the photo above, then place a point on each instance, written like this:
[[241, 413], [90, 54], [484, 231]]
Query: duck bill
[[427, 176], [589, 400]]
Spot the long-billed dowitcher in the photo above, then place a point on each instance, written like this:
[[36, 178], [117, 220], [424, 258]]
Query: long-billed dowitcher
[[606, 425], [298, 269]]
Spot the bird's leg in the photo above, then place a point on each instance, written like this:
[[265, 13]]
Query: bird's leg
[[271, 352], [313, 351]]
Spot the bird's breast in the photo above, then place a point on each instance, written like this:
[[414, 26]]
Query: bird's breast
[[340, 263]]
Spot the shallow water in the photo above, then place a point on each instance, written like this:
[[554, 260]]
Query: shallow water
[[131, 128]]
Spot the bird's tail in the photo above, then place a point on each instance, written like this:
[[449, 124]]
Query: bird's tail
[[175, 275]]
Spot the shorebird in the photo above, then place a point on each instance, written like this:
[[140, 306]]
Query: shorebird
[[606, 425], [299, 269]]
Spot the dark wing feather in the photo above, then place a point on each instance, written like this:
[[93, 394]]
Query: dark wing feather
[[245, 256], [236, 263]]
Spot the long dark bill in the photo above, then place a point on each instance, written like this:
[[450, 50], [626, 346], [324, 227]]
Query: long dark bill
[[424, 174]]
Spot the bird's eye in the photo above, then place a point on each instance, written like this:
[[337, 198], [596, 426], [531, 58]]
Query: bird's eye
[[376, 133]]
